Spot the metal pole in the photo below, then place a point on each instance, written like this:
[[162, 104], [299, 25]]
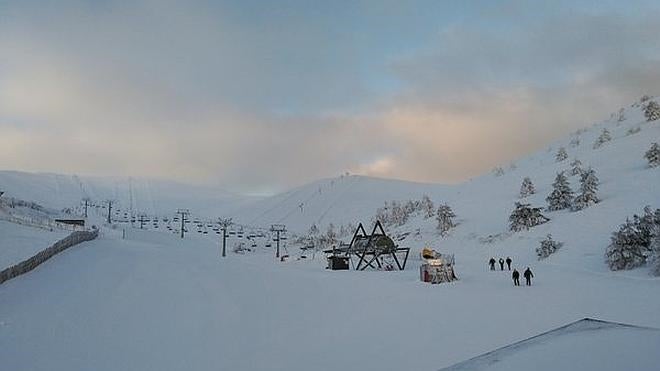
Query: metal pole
[[109, 211], [277, 253], [225, 223], [86, 204], [183, 213], [277, 228], [224, 241]]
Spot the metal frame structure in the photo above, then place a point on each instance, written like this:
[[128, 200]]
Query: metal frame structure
[[368, 253]]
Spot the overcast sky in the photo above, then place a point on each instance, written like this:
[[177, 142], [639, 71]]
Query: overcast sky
[[258, 96]]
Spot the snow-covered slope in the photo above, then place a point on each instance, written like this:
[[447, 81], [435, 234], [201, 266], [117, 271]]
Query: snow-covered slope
[[19, 242], [154, 197], [341, 200], [484, 204], [586, 344]]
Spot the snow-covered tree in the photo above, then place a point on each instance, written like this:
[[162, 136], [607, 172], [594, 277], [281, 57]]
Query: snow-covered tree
[[445, 216], [548, 247], [331, 234], [588, 188], [627, 249], [575, 141], [653, 155], [621, 116], [383, 214], [633, 130], [527, 188], [427, 207], [644, 98], [603, 138], [632, 245], [652, 111], [498, 171], [561, 155], [576, 167], [654, 258], [525, 217], [342, 231], [313, 230], [561, 196]]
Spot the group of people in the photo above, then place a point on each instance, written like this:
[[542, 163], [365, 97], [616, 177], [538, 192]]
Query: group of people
[[515, 275], [492, 262]]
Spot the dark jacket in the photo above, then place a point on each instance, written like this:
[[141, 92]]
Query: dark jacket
[[515, 274], [528, 273]]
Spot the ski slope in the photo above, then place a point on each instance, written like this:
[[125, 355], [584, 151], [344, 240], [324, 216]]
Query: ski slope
[[340, 200], [154, 301], [20, 242]]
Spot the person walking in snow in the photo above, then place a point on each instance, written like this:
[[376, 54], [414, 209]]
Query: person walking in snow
[[501, 264], [508, 262], [516, 277], [528, 276], [491, 262]]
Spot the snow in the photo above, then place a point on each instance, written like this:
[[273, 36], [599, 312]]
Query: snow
[[20, 242], [152, 196], [155, 301], [584, 344]]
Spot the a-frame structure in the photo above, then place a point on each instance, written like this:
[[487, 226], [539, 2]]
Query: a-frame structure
[[370, 248]]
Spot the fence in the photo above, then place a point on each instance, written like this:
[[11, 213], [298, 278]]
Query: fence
[[59, 246]]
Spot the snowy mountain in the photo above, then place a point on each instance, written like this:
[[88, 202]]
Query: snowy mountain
[[483, 204], [341, 200], [154, 197]]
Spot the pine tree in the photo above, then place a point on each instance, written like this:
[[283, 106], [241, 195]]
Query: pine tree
[[652, 111], [498, 171], [576, 167], [627, 249], [653, 155], [525, 217], [445, 216], [548, 247], [603, 138], [427, 207], [632, 245], [527, 188], [562, 195], [588, 188], [561, 155]]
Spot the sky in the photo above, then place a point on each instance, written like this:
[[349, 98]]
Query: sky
[[259, 96]]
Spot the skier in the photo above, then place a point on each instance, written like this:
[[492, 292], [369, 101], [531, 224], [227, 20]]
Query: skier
[[508, 262], [501, 264], [491, 262], [528, 276], [516, 277]]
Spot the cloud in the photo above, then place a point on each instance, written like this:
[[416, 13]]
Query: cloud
[[260, 100]]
